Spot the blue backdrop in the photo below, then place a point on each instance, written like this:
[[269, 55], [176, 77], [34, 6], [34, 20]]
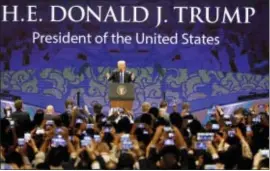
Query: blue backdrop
[[202, 75]]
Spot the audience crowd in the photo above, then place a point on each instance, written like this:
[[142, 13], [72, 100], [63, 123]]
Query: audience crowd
[[78, 139]]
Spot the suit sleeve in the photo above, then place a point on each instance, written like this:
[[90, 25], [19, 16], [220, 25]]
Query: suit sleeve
[[130, 78], [112, 77]]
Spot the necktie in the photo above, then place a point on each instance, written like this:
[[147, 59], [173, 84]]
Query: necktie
[[122, 77]]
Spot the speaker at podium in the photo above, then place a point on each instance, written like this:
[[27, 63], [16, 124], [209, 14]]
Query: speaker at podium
[[121, 95]]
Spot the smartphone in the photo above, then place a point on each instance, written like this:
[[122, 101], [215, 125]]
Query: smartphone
[[127, 145], [12, 123], [189, 120], [87, 138], [27, 137], [205, 136], [200, 145], [167, 129], [8, 113], [49, 122], [79, 121], [107, 130], [145, 132], [141, 125], [103, 119], [62, 142], [265, 153], [169, 142], [248, 128], [228, 123], [231, 133], [21, 142], [40, 131], [215, 127], [84, 143], [90, 126], [257, 119], [97, 138], [226, 116], [125, 137], [210, 167], [58, 130], [54, 142], [171, 135]]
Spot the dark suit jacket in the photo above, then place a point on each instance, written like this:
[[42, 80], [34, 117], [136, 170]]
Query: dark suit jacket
[[115, 77], [22, 122]]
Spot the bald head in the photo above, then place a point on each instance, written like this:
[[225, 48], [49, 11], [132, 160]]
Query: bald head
[[50, 109], [121, 65]]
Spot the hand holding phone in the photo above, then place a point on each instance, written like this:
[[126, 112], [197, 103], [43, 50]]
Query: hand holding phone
[[27, 137], [21, 142]]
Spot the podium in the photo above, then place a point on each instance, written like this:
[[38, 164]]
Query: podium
[[121, 95]]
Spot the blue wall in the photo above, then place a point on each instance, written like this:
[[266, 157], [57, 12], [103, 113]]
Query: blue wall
[[203, 75]]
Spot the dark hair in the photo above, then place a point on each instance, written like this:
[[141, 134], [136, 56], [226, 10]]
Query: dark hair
[[69, 102], [126, 161], [176, 120], [163, 104], [15, 157], [154, 111], [124, 125], [97, 108], [38, 118], [146, 118], [4, 124], [57, 155]]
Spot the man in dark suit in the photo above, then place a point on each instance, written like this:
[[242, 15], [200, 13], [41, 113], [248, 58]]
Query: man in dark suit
[[21, 118], [121, 75]]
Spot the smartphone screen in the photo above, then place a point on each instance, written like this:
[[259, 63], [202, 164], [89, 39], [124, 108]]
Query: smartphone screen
[[167, 128], [215, 126], [205, 136], [8, 113], [210, 167], [12, 123], [200, 145], [27, 137], [90, 126], [126, 145], [265, 153], [97, 138], [21, 141], [168, 142], [231, 133], [49, 122], [248, 128]]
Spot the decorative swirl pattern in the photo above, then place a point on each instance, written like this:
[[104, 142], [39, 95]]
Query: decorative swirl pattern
[[179, 84]]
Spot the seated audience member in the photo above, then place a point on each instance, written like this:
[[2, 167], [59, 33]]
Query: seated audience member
[[21, 119]]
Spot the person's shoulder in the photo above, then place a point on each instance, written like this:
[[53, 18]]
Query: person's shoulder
[[128, 72], [115, 71]]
